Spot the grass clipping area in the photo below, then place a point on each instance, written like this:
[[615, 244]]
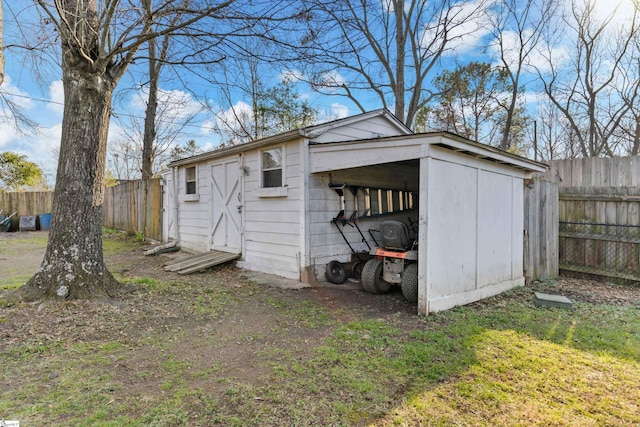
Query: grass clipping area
[[519, 380]]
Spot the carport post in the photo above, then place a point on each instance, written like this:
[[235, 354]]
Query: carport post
[[423, 203]]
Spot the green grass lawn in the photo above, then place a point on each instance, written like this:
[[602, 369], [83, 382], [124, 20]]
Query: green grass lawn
[[507, 364], [501, 362]]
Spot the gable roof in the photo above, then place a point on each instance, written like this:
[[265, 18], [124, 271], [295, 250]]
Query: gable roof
[[309, 132]]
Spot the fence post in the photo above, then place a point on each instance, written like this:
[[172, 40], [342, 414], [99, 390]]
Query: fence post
[[541, 229]]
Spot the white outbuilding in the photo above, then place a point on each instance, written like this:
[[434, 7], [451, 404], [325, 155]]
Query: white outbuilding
[[291, 203]]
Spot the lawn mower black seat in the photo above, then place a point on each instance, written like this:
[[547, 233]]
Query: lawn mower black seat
[[395, 235]]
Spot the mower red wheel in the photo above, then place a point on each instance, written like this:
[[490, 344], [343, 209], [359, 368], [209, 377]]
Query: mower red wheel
[[372, 277], [410, 283]]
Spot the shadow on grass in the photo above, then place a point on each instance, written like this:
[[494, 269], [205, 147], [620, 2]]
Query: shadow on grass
[[502, 362]]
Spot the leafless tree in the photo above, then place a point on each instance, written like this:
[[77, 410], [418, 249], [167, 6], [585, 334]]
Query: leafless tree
[[205, 56], [268, 105], [99, 41], [124, 160], [585, 83], [553, 139], [518, 28], [146, 141], [629, 92], [1, 48], [384, 48], [11, 111]]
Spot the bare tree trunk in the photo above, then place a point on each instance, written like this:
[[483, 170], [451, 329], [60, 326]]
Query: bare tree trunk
[[401, 41], [505, 142], [635, 150], [1, 48], [150, 113], [73, 265]]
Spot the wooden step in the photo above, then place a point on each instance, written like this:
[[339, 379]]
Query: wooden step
[[201, 262]]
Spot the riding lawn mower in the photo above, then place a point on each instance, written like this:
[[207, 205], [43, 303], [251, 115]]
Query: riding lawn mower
[[394, 262]]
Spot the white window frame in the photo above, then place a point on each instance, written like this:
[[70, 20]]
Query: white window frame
[[282, 167], [187, 194]]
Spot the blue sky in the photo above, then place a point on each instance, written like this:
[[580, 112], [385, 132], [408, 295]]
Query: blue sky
[[40, 96]]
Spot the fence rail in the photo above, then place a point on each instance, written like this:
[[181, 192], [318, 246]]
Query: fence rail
[[609, 250]]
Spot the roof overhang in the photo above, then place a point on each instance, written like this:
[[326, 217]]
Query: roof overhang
[[309, 132], [359, 153], [240, 148]]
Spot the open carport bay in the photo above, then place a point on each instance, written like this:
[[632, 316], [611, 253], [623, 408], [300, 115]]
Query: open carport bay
[[467, 198]]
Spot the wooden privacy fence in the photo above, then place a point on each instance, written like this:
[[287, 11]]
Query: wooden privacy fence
[[135, 206], [599, 217], [26, 202], [581, 175], [600, 233]]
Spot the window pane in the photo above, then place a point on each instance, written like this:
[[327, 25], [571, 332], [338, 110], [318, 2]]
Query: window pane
[[191, 173], [191, 187], [272, 159], [272, 178]]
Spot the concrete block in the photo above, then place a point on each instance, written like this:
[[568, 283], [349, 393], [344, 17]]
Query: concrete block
[[548, 300]]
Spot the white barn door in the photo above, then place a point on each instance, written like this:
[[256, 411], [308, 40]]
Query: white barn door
[[226, 199]]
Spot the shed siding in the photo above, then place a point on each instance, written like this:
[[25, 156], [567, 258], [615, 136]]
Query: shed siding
[[494, 228], [374, 127], [452, 228], [474, 230], [272, 224], [194, 216], [517, 224]]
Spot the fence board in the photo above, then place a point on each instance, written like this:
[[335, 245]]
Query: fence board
[[25, 203], [599, 237], [135, 206], [595, 172], [599, 191], [541, 223]]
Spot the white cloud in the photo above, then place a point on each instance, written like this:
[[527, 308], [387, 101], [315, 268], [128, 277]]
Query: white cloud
[[621, 11], [291, 76], [468, 23], [39, 145], [329, 81], [339, 111], [334, 112], [15, 95], [207, 127], [539, 58], [240, 110], [56, 96], [173, 104], [232, 119], [8, 136], [207, 146]]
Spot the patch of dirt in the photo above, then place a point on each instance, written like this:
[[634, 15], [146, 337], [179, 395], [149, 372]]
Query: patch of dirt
[[223, 328], [19, 257]]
